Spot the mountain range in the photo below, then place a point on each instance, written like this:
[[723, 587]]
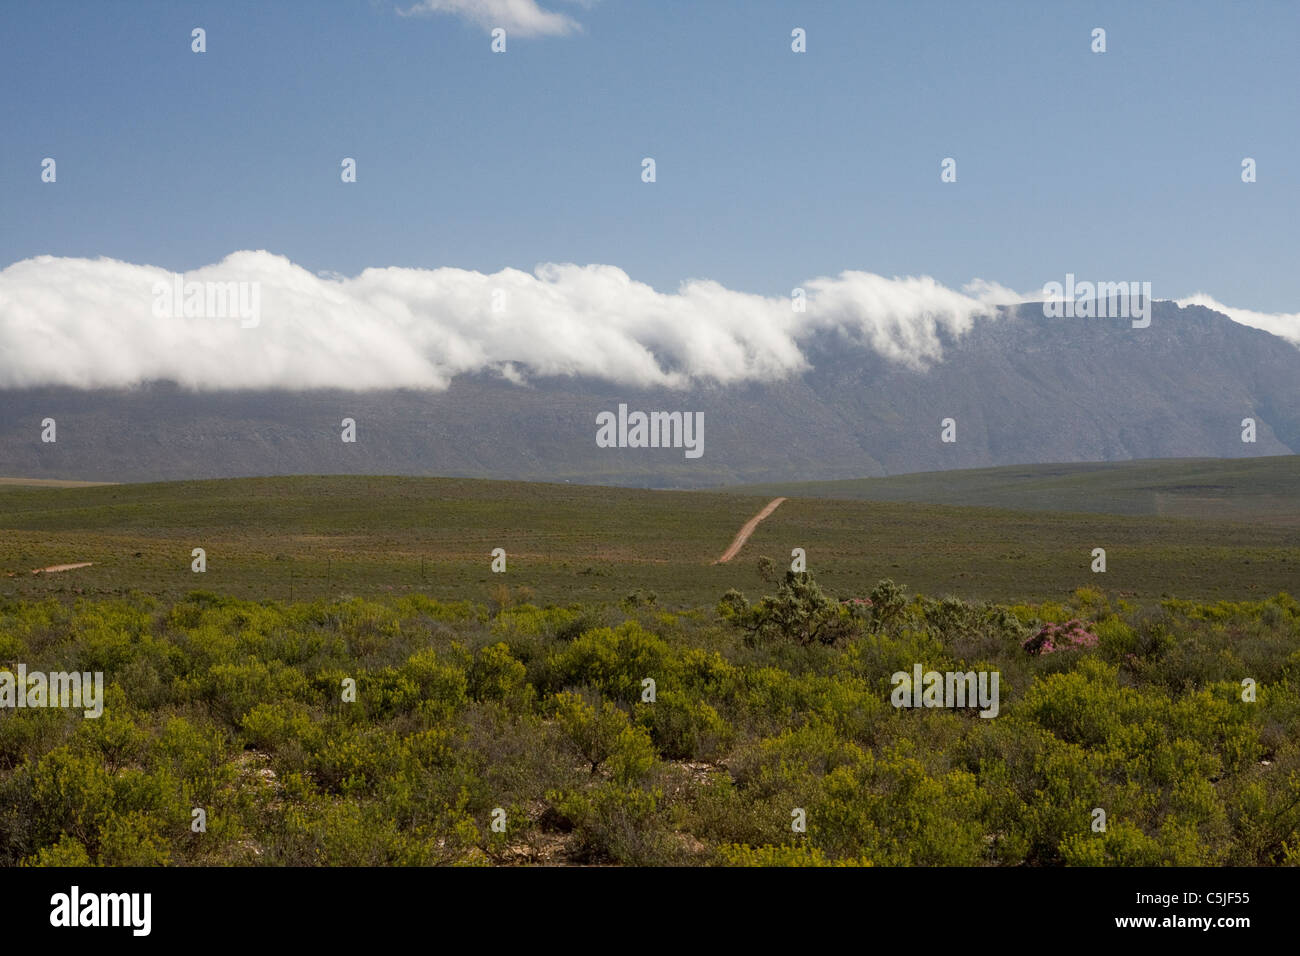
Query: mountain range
[[1019, 388]]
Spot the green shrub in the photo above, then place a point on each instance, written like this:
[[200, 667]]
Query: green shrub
[[496, 676], [604, 735], [734, 854], [684, 729]]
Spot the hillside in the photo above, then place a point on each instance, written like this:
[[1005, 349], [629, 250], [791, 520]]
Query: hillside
[[1259, 489]]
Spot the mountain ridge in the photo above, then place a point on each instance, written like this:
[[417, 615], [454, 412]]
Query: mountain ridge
[[1021, 388]]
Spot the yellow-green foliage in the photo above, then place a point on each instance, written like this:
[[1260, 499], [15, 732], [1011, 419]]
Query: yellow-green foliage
[[733, 854], [543, 715]]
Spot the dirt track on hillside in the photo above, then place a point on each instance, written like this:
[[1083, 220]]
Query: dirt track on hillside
[[55, 568], [747, 530]]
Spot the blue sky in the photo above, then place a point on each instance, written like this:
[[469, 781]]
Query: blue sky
[[773, 167]]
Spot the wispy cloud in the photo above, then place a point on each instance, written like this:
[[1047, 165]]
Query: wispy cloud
[[1285, 325], [517, 17]]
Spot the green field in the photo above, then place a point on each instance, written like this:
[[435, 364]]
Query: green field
[[1233, 489], [329, 537]]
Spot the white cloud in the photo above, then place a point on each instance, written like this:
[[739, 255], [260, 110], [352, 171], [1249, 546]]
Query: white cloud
[[1282, 324], [90, 323], [996, 293], [518, 17]]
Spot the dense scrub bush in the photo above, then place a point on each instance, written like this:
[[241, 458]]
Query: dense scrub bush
[[683, 728], [615, 824], [800, 611], [614, 660], [733, 854], [497, 676], [1180, 721]]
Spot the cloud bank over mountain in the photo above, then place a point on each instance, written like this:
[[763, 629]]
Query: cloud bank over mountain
[[95, 323], [1283, 325]]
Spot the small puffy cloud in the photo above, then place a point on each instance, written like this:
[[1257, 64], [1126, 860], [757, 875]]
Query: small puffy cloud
[[517, 17]]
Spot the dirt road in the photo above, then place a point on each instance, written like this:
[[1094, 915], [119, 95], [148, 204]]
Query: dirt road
[[747, 530], [55, 568]]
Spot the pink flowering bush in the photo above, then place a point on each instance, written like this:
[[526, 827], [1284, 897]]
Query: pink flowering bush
[[1072, 635]]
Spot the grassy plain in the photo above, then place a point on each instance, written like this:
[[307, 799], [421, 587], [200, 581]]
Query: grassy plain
[[332, 536], [1265, 490]]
